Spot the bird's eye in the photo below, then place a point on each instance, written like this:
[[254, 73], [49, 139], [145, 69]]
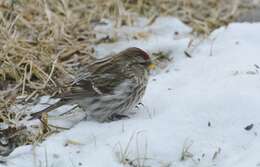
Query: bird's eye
[[144, 55]]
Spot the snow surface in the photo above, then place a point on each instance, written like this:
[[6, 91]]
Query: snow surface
[[197, 106]]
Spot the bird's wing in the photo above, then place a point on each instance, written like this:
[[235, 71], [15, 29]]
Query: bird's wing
[[97, 84]]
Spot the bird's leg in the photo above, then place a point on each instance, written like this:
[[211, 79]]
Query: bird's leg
[[115, 117]]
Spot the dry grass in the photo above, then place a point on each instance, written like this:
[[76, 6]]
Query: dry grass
[[41, 43], [44, 42]]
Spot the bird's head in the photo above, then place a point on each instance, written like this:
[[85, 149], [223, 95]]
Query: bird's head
[[138, 56]]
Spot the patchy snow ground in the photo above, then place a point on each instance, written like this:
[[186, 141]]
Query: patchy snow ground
[[197, 107]]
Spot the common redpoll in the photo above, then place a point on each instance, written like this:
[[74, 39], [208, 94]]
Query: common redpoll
[[112, 86]]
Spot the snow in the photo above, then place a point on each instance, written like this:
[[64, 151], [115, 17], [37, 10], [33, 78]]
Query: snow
[[201, 104]]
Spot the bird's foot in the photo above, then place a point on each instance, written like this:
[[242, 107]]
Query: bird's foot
[[116, 117]]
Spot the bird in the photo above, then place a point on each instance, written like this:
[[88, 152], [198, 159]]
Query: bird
[[110, 88]]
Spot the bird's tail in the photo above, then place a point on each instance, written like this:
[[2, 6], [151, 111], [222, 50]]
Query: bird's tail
[[48, 109]]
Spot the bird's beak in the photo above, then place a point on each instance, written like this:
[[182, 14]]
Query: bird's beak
[[151, 66]]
